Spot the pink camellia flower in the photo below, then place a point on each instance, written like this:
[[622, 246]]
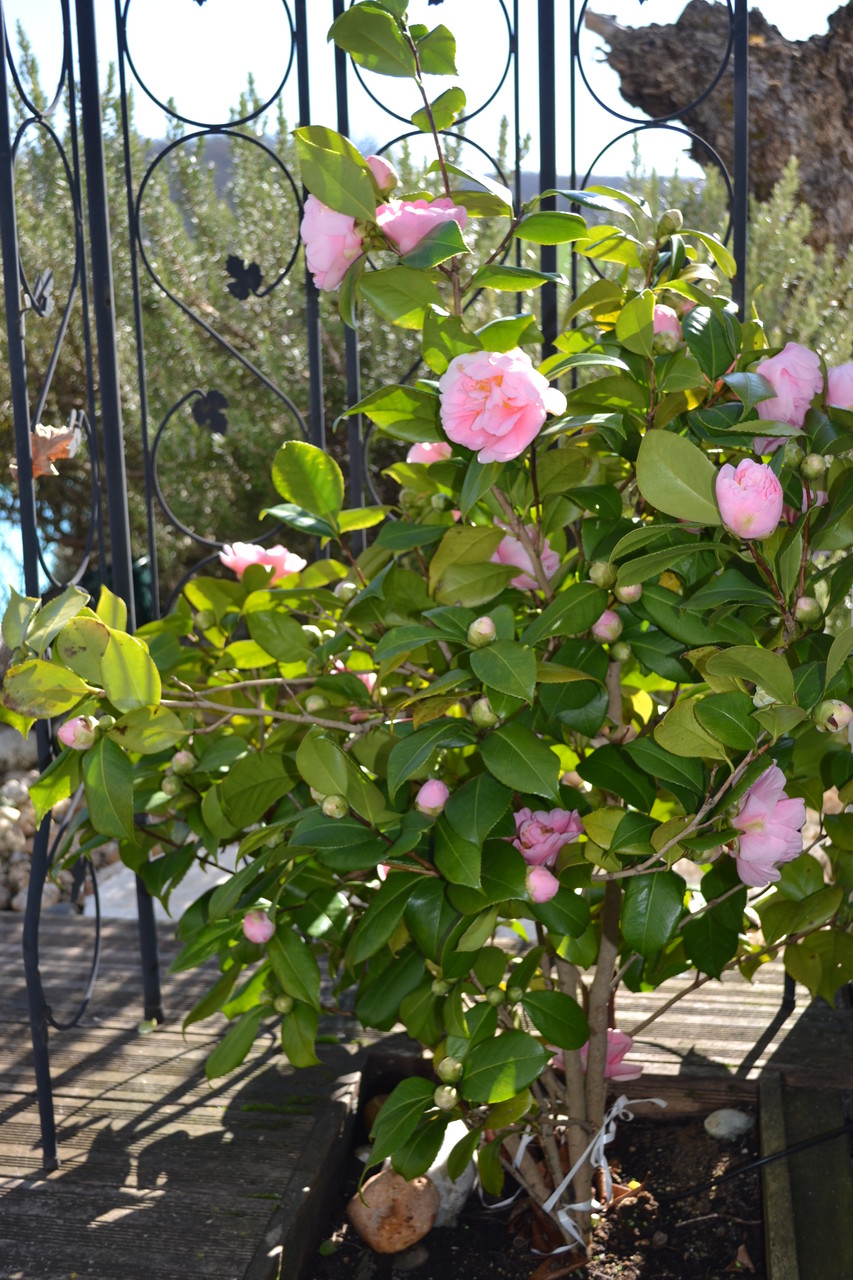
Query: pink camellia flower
[[432, 797], [427, 452], [541, 885], [541, 834], [78, 733], [406, 222], [770, 825], [384, 172], [258, 927], [237, 556], [608, 627], [749, 498], [665, 320], [495, 402], [331, 243], [839, 386], [796, 377], [511, 551], [618, 1044]]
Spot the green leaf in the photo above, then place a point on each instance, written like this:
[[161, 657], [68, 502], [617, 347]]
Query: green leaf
[[508, 667], [253, 785], [512, 279], [112, 610], [677, 478], [516, 757], [309, 478], [418, 1153], [498, 1069], [839, 652], [611, 244], [446, 107], [130, 677], [440, 243], [564, 915], [472, 585], [464, 545], [19, 613], [374, 40], [444, 338], [685, 778], [81, 644], [457, 859], [334, 171], [651, 910], [214, 999], [559, 1018], [412, 753], [762, 667], [610, 768], [635, 325], [399, 536], [231, 1051], [50, 620], [400, 294], [489, 1167], [463, 1153], [298, 518], [57, 782], [652, 565], [429, 916], [479, 479], [681, 734], [108, 782], [721, 255], [148, 730], [728, 716], [295, 966], [476, 807], [550, 226], [822, 962], [381, 918], [379, 1001], [709, 943], [399, 1116], [751, 388], [298, 1034], [274, 629], [437, 52], [41, 689], [712, 340], [407, 413], [573, 611]]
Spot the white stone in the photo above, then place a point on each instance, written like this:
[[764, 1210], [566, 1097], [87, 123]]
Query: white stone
[[12, 837], [726, 1124], [16, 751]]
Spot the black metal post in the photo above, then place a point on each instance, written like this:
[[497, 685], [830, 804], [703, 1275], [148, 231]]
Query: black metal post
[[355, 437], [312, 297], [38, 1012], [111, 420], [740, 212], [548, 160]]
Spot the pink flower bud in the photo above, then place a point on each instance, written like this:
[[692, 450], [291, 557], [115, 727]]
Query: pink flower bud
[[483, 715], [384, 173], [406, 222], [183, 762], [833, 715], [602, 573], [432, 797], [750, 499], [608, 627], [481, 632], [541, 885], [839, 386], [429, 452], [807, 609], [629, 595], [665, 320], [258, 927], [78, 733]]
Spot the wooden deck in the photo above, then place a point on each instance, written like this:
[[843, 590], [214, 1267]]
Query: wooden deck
[[166, 1176]]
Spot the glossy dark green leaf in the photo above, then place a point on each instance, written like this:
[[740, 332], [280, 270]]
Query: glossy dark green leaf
[[558, 1017], [499, 1068], [651, 910]]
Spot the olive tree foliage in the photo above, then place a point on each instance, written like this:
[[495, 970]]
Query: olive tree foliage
[[205, 201]]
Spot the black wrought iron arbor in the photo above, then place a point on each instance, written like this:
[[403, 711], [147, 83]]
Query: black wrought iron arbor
[[72, 117]]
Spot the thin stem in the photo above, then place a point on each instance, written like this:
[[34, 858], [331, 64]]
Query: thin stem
[[767, 575], [524, 538]]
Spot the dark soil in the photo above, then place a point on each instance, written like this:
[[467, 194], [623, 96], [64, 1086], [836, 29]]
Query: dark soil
[[645, 1236]]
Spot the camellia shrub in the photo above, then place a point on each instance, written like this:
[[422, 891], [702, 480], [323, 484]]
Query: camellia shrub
[[580, 688]]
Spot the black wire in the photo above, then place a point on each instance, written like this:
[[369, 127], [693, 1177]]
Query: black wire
[[755, 1164]]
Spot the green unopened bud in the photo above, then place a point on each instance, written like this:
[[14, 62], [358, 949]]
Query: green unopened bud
[[440, 986], [439, 502], [315, 702], [449, 1070], [793, 454], [496, 995], [629, 595], [205, 619], [833, 716], [313, 665], [602, 573], [669, 223], [170, 784], [408, 497], [514, 994], [346, 590], [445, 1097], [813, 466], [334, 806], [807, 610], [283, 1004], [183, 762], [481, 632], [620, 651], [483, 715], [761, 698], [106, 722]]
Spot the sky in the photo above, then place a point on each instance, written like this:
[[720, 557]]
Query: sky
[[202, 56]]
